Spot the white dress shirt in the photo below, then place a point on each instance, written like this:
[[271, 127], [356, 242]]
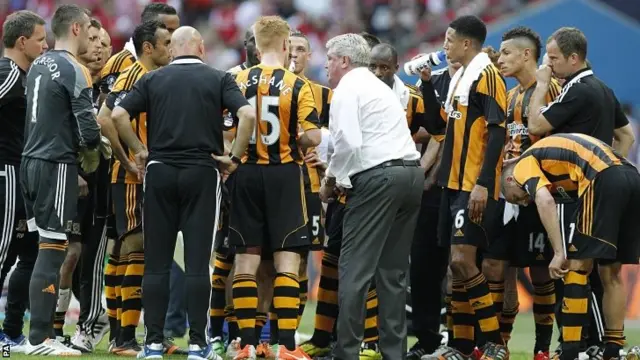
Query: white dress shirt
[[368, 126]]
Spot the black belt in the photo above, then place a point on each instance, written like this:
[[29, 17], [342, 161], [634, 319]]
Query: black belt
[[398, 162]]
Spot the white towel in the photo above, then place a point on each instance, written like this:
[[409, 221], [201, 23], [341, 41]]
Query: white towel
[[132, 49], [401, 91], [463, 79]]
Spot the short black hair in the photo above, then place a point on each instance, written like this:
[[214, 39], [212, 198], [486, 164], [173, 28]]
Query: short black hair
[[300, 34], [372, 40], [570, 40], [388, 50], [20, 23], [96, 23], [64, 17], [525, 33], [152, 11], [470, 26], [146, 32]]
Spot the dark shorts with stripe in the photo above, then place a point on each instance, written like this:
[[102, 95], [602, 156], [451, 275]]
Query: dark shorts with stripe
[[605, 222], [522, 241], [268, 208], [127, 206], [13, 219], [333, 223], [454, 226], [50, 193], [314, 213]]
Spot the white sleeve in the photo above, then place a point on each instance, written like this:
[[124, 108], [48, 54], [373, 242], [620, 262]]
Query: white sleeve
[[326, 145]]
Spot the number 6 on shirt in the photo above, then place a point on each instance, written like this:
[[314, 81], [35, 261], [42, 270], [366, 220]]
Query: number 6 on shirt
[[269, 113]]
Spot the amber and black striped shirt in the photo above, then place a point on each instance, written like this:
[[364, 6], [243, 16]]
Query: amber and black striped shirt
[[467, 133], [322, 96], [112, 69], [124, 83], [283, 102], [518, 100], [565, 163]]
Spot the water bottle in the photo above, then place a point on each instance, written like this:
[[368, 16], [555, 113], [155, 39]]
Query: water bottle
[[414, 67]]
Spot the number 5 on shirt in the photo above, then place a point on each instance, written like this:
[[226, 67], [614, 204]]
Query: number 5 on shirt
[[268, 112]]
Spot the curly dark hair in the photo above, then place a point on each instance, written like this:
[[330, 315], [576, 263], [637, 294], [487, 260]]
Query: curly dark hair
[[523, 32]]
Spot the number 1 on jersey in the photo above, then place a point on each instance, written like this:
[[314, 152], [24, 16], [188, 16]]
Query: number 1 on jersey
[[34, 101], [265, 114]]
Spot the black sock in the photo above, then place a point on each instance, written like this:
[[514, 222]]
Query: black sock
[[43, 289]]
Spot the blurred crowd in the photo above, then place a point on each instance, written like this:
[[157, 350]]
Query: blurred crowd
[[411, 25]]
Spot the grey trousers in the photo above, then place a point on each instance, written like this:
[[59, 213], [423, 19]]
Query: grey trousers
[[379, 221]]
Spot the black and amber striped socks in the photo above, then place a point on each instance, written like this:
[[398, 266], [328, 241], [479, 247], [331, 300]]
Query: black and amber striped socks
[[261, 321], [482, 305], [496, 288], [448, 316], [327, 303], [544, 300], [245, 305], [463, 319], [110, 284], [273, 326], [371, 320], [614, 341], [575, 306], [120, 272], [507, 318], [221, 270], [286, 302], [304, 289], [232, 322], [131, 296]]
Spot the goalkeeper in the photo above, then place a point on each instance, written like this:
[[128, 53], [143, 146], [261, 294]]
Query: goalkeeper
[[60, 125]]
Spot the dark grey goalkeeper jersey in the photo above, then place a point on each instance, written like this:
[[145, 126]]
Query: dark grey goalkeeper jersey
[[60, 117]]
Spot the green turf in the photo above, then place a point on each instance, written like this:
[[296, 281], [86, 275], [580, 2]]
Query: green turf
[[521, 343]]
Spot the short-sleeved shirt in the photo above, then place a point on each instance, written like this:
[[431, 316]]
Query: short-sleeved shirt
[[184, 102], [586, 106], [467, 133], [112, 69], [119, 91], [60, 115], [284, 102], [567, 164], [13, 110], [322, 96], [518, 100]]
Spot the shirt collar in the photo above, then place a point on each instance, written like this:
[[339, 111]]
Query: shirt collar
[[357, 72], [187, 59], [574, 75]]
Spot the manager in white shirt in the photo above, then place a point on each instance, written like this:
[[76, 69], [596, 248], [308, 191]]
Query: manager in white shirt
[[375, 161]]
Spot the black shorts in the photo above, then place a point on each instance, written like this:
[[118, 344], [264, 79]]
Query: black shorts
[[268, 208], [605, 223], [127, 206], [314, 212], [50, 193], [527, 238], [454, 226], [13, 219], [333, 223]]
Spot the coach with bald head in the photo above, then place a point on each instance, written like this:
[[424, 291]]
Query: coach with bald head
[[181, 169]]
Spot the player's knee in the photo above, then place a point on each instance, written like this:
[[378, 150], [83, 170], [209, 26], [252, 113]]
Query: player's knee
[[493, 269], [286, 261], [580, 265], [462, 266], [610, 274], [246, 263], [134, 242], [539, 274]]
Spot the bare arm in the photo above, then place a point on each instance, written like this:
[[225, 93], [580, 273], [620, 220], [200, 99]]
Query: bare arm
[[310, 138], [247, 122], [538, 125], [122, 122], [549, 216], [109, 131], [623, 139]]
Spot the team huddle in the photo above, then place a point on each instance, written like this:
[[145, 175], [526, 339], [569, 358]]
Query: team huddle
[[530, 177]]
